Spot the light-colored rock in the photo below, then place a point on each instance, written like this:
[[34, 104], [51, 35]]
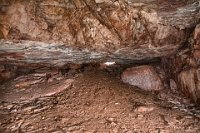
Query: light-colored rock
[[142, 109], [99, 1], [173, 85], [144, 77]]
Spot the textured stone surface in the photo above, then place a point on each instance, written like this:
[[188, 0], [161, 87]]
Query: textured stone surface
[[190, 83], [7, 72], [128, 29], [59, 55], [96, 102], [184, 67], [144, 77], [26, 87], [54, 33]]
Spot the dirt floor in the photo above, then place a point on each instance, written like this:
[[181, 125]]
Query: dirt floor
[[91, 101]]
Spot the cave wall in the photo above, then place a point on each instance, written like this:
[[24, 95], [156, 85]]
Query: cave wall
[[184, 67]]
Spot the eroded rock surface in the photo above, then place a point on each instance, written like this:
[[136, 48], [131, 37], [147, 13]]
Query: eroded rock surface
[[115, 30], [190, 83], [184, 67]]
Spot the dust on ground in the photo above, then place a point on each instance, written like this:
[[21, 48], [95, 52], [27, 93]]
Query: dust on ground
[[93, 101]]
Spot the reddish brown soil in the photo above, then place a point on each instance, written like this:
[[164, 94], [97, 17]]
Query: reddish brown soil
[[96, 102]]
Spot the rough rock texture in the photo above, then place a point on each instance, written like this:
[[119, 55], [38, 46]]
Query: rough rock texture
[[190, 83], [7, 72], [26, 87], [54, 33], [189, 78], [184, 67], [144, 77], [95, 102], [114, 30]]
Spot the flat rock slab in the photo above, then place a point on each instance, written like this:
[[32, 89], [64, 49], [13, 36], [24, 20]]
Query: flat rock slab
[[31, 87], [144, 77]]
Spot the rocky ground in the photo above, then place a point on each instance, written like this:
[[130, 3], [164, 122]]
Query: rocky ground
[[90, 100]]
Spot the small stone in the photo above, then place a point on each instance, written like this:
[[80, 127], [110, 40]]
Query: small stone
[[144, 77], [197, 32], [9, 106], [139, 116], [50, 80], [111, 120], [74, 128], [29, 108], [99, 1], [115, 130], [65, 120], [113, 124], [173, 85], [5, 75], [144, 109]]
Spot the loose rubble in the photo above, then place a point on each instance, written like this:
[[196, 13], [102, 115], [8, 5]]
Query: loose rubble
[[91, 101]]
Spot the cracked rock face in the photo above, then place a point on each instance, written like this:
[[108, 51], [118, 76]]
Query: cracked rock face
[[184, 67], [189, 79], [190, 83], [124, 29]]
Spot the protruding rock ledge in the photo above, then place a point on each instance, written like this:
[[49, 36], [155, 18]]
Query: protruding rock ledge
[[58, 32], [56, 55]]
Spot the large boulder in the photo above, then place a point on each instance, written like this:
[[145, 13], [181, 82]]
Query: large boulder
[[144, 77]]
